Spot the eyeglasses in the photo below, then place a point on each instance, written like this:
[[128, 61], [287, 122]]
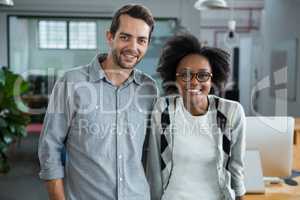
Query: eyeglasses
[[200, 76]]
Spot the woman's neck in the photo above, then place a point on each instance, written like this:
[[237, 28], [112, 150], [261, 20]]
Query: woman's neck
[[197, 108]]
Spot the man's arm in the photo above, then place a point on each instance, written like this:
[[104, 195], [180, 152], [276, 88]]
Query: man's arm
[[55, 189], [52, 140]]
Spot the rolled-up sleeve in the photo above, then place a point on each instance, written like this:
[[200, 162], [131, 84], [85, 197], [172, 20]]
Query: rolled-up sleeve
[[55, 129]]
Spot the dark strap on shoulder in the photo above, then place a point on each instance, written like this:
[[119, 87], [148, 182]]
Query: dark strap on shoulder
[[165, 117], [221, 122], [165, 122]]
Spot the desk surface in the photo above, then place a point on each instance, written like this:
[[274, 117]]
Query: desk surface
[[282, 192], [278, 192]]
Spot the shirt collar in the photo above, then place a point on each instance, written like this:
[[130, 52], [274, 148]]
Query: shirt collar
[[97, 73], [137, 76]]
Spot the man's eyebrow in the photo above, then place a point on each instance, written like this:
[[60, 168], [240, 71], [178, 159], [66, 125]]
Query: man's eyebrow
[[143, 37], [129, 35]]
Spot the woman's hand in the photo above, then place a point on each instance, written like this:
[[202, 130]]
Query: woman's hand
[[240, 198]]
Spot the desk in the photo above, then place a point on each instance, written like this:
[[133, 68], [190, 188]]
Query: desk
[[282, 192], [297, 131], [278, 192]]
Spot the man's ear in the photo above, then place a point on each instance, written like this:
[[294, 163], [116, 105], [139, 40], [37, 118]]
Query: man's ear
[[109, 38]]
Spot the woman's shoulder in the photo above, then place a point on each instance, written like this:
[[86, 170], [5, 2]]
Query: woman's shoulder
[[223, 102], [226, 106], [165, 101]]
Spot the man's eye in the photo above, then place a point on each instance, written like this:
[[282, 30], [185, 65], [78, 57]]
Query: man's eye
[[123, 37], [143, 41]]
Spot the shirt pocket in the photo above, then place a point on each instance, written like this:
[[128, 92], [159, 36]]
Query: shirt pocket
[[93, 134]]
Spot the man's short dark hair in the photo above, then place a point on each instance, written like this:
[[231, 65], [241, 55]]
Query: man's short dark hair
[[135, 11]]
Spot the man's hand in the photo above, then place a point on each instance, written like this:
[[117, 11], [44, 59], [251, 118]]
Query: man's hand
[[55, 189]]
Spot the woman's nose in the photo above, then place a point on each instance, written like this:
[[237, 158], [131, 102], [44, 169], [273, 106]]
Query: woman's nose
[[194, 80]]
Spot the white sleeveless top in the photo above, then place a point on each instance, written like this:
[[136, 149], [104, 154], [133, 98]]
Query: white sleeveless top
[[194, 173]]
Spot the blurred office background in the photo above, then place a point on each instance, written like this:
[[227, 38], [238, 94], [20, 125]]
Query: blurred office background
[[40, 39]]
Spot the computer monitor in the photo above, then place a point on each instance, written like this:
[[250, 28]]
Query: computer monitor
[[273, 138]]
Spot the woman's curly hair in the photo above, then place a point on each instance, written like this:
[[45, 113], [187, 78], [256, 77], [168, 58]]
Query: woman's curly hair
[[179, 46]]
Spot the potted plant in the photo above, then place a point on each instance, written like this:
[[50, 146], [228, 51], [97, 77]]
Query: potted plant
[[13, 119]]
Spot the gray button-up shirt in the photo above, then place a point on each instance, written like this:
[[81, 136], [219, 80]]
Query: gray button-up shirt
[[102, 128]]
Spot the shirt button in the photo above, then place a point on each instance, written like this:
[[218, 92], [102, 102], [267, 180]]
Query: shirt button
[[97, 107], [120, 156], [121, 179]]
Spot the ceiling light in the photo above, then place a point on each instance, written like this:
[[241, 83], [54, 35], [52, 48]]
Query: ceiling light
[[210, 4], [6, 2], [231, 38]]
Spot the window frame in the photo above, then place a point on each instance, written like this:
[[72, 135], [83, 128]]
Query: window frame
[[68, 34], [38, 34], [67, 21]]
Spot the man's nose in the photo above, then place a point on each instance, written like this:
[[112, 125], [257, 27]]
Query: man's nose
[[133, 45]]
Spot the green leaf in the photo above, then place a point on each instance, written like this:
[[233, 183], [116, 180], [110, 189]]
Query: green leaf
[[3, 147], [2, 77], [24, 87], [13, 125], [12, 128], [3, 123], [8, 139], [23, 132], [1, 94]]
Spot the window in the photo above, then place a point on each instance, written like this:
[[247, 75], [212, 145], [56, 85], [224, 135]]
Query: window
[[44, 45], [67, 34], [82, 35], [52, 34]]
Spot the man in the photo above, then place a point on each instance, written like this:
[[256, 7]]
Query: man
[[98, 113]]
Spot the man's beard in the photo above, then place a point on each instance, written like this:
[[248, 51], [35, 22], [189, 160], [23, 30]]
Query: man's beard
[[118, 60]]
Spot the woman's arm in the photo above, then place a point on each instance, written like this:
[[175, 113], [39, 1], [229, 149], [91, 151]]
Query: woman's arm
[[240, 198], [236, 165], [152, 168]]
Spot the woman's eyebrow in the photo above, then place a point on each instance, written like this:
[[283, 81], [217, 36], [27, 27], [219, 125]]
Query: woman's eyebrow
[[190, 70]]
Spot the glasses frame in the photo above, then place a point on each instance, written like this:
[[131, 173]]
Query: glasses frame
[[210, 75]]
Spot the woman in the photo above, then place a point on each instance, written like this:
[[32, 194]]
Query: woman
[[197, 144]]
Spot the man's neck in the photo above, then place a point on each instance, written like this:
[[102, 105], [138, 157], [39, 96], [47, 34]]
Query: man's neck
[[115, 73]]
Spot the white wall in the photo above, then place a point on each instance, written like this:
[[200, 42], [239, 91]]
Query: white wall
[[281, 24], [182, 9]]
